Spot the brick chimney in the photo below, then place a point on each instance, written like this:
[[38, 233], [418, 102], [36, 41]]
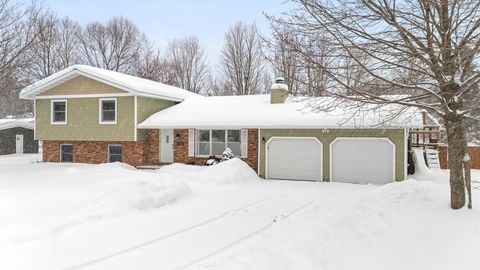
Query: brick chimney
[[278, 91]]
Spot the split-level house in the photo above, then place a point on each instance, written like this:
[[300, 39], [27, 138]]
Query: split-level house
[[90, 115]]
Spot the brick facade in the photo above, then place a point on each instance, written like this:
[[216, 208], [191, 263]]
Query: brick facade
[[133, 153], [95, 152], [180, 149], [142, 152], [152, 147]]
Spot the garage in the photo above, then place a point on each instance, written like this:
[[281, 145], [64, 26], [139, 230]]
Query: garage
[[294, 158], [362, 160]]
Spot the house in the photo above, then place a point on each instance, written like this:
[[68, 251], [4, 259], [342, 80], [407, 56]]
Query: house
[[16, 136], [91, 115]]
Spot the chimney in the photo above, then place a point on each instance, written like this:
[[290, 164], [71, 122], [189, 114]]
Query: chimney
[[278, 91]]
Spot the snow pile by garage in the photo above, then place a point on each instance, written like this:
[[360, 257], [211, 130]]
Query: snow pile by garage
[[233, 171]]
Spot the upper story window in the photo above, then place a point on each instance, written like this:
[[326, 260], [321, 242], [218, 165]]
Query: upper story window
[[108, 110], [59, 112], [214, 142]]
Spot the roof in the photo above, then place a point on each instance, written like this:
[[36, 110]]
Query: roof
[[134, 85], [27, 123], [256, 111]]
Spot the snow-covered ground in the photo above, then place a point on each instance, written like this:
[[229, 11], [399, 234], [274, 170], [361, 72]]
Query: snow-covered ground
[[112, 216]]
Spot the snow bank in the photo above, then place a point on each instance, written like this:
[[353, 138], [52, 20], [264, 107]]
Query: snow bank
[[50, 197], [20, 159], [233, 171]]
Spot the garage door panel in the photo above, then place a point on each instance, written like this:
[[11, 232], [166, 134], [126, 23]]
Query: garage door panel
[[294, 159], [362, 160]]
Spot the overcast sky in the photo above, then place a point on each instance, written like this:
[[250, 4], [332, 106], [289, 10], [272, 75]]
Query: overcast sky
[[163, 20]]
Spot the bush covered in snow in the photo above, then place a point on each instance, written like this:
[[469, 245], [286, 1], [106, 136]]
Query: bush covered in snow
[[212, 160], [227, 154]]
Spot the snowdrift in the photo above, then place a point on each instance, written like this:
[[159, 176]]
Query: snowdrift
[[65, 195], [229, 172], [52, 197]]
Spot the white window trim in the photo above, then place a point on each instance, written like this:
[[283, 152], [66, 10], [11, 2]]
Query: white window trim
[[108, 151], [100, 100], [210, 142], [51, 112], [61, 153]]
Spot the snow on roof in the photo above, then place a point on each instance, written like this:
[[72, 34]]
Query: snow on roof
[[256, 111], [131, 84], [27, 123]]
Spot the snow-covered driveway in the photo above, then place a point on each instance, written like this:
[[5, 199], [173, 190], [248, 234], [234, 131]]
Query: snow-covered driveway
[[77, 216]]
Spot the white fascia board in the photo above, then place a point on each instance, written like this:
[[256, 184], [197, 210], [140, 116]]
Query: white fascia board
[[86, 96], [258, 127], [31, 93]]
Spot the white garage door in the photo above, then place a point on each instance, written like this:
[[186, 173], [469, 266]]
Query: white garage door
[[294, 158], [362, 160]]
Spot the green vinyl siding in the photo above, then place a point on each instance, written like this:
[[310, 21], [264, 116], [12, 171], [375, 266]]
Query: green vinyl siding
[[83, 121], [326, 136], [146, 107]]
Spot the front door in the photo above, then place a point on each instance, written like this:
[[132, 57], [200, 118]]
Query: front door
[[166, 145], [19, 144]]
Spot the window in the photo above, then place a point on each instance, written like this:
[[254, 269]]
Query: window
[[59, 112], [66, 153], [108, 110], [203, 143], [233, 141], [214, 142], [114, 153]]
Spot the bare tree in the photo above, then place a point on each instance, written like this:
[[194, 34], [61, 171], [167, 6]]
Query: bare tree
[[114, 46], [153, 66], [68, 43], [17, 34], [437, 41], [242, 61], [189, 63], [301, 76], [56, 46], [285, 59]]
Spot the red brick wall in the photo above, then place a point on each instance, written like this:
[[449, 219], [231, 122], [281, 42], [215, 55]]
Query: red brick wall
[[180, 149], [152, 147], [94, 152], [473, 151], [140, 153], [133, 153]]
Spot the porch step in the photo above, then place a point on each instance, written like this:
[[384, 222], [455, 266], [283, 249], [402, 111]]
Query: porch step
[[149, 167]]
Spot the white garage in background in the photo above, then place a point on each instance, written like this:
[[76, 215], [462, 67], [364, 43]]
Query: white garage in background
[[294, 158], [362, 160]]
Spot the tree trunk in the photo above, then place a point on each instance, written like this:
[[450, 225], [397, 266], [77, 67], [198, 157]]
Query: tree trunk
[[457, 148]]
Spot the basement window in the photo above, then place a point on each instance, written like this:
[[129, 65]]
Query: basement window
[[114, 153], [66, 153], [59, 112], [108, 110]]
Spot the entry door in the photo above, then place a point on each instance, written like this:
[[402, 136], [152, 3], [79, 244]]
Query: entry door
[[19, 144], [166, 145]]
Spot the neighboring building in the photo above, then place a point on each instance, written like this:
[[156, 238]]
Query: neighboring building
[[16, 136], [91, 115]]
